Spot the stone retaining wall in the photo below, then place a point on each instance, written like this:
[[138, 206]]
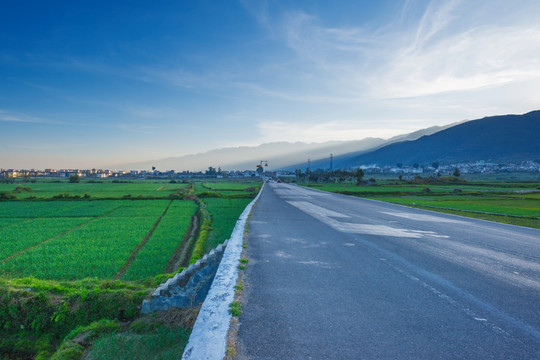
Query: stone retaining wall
[[188, 288]]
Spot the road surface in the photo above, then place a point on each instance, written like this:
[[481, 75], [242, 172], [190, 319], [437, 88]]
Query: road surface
[[338, 277]]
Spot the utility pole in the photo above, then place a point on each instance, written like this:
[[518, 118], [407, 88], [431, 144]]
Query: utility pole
[[308, 164], [260, 169], [331, 162]]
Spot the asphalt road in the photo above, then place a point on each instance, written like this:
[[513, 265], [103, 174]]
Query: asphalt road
[[338, 277]]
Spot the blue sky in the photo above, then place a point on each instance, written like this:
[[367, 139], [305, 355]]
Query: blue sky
[[98, 83]]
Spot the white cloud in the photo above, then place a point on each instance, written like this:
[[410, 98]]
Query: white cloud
[[450, 49], [473, 59]]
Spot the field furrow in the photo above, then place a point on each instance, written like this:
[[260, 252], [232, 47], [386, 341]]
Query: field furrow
[[18, 237], [153, 257]]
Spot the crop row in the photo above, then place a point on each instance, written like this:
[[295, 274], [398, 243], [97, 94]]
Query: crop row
[[79, 239], [225, 213], [98, 249], [153, 257], [23, 235], [45, 190], [74, 247]]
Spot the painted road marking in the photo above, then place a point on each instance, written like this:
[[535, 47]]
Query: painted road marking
[[316, 211], [328, 217], [423, 217]]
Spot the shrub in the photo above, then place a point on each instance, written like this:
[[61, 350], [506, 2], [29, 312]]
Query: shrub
[[4, 195], [74, 178]]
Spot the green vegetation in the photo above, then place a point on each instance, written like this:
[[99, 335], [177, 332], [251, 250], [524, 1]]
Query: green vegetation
[[224, 214], [514, 202], [96, 189], [77, 259], [35, 315], [153, 257], [159, 343], [235, 308], [204, 231], [155, 336]]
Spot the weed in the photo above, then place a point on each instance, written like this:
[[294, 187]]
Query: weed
[[244, 260], [231, 351], [241, 267], [235, 308]]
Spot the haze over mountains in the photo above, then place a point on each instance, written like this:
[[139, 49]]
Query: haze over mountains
[[280, 155], [496, 138]]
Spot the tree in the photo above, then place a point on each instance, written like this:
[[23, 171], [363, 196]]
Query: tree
[[359, 175], [399, 165], [457, 173], [435, 165], [74, 178]]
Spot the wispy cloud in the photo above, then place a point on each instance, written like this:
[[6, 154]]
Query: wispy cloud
[[259, 10], [7, 116], [448, 50], [476, 58]]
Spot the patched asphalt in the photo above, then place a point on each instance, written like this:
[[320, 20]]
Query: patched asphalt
[[338, 277]]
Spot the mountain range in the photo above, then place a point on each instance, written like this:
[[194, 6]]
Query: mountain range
[[496, 138]]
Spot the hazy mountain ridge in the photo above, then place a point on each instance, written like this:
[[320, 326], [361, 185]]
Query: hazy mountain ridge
[[503, 138], [343, 161], [278, 155], [496, 138]]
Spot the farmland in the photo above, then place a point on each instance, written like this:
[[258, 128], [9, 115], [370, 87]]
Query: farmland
[[95, 189], [515, 202], [85, 252]]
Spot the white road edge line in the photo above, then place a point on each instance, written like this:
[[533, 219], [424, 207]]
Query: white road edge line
[[208, 340]]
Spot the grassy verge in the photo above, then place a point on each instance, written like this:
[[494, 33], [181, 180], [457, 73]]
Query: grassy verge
[[156, 336], [36, 315], [519, 221], [90, 319], [516, 203]]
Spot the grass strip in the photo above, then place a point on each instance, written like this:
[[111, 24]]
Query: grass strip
[[204, 231], [501, 218]]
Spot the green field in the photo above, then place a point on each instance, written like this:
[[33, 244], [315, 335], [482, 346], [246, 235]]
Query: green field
[[231, 186], [224, 214], [514, 202], [101, 189], [94, 243], [84, 255]]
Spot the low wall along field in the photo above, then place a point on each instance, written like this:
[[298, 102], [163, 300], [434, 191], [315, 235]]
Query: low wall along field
[[80, 253]]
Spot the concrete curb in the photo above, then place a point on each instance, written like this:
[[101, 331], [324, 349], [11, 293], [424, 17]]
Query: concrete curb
[[208, 340]]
